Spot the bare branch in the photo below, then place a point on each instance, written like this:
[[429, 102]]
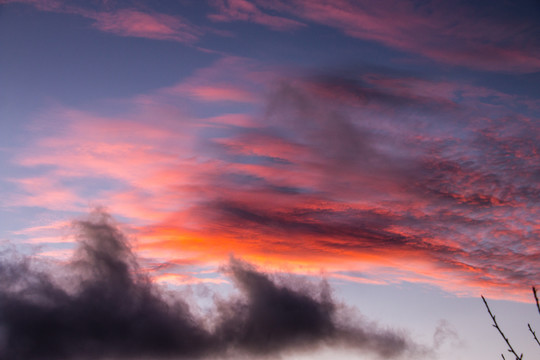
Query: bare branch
[[538, 307], [536, 298], [533, 334], [496, 326]]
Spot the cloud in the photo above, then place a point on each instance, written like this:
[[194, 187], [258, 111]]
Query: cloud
[[277, 316], [493, 36], [446, 333], [394, 176], [128, 21], [54, 195], [112, 309], [216, 93], [488, 36], [228, 79], [243, 10]]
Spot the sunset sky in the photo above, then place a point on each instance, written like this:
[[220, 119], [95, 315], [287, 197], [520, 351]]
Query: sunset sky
[[390, 149]]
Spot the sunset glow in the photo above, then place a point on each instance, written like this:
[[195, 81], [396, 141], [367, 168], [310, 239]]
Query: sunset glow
[[380, 145]]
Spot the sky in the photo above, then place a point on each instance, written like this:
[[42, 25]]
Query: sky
[[301, 179]]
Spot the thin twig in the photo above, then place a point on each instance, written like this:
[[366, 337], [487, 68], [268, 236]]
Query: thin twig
[[533, 334], [536, 298], [538, 307], [496, 326], [503, 357]]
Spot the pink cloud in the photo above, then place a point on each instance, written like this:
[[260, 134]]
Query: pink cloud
[[241, 120], [218, 93], [243, 10], [448, 33], [495, 39], [127, 21], [45, 192], [228, 79], [320, 177], [127, 153], [46, 5]]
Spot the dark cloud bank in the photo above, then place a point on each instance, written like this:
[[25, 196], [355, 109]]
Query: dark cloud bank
[[112, 310]]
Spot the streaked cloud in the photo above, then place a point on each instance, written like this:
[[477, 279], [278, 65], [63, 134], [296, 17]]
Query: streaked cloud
[[401, 178], [244, 10], [498, 37], [128, 21]]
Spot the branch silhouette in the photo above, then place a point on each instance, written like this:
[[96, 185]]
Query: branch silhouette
[[538, 307], [496, 326], [533, 334], [536, 298]]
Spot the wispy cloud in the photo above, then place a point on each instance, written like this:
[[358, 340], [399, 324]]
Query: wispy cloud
[[401, 178], [128, 21], [502, 38], [244, 10], [230, 79]]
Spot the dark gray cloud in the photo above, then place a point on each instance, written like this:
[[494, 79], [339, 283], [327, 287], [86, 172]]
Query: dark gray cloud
[[111, 309]]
